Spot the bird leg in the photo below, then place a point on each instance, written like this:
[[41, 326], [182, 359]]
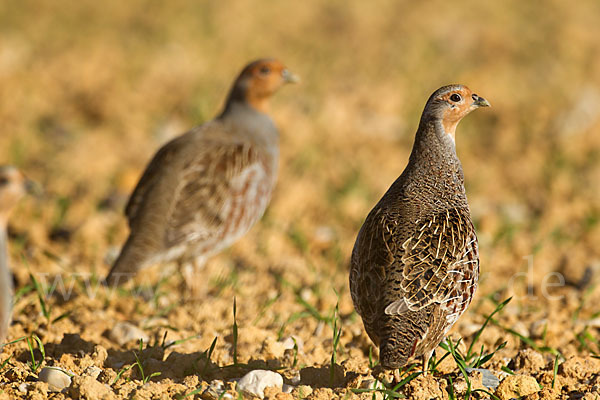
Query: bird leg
[[191, 272], [396, 376], [426, 357]]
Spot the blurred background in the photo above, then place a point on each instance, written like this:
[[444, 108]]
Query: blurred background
[[90, 90]]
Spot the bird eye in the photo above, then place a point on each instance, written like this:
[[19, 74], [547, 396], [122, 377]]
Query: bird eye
[[264, 70], [455, 97]]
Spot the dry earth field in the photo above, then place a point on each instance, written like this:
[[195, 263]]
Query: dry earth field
[[89, 90]]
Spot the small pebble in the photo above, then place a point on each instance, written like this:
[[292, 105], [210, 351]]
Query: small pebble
[[56, 378], [216, 390], [255, 382], [306, 294], [371, 384], [93, 371], [23, 388], [488, 379], [125, 332], [288, 343]]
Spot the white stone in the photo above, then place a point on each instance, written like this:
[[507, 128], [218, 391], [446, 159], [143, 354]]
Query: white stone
[[125, 332], [255, 382], [56, 378], [371, 384], [593, 323], [288, 343], [306, 294], [23, 388]]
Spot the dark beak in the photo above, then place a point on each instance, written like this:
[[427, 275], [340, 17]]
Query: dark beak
[[481, 102]]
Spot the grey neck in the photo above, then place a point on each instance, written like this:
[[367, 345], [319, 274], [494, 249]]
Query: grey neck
[[433, 159], [432, 143], [250, 121], [231, 105], [235, 107]]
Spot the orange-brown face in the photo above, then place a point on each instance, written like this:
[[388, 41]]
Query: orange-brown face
[[261, 79], [454, 103]]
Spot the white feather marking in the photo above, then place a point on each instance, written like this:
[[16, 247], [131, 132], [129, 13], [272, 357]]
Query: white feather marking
[[397, 307]]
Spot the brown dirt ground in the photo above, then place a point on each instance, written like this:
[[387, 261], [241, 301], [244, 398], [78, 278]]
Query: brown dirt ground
[[88, 90]]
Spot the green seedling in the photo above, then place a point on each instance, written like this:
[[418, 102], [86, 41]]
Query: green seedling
[[190, 394], [507, 370], [337, 332], [31, 342], [292, 318], [295, 350], [140, 365], [5, 363], [372, 363], [265, 306], [555, 370], [528, 341], [166, 345], [44, 306], [499, 308], [392, 392], [450, 389], [462, 366], [585, 338], [208, 355], [120, 373]]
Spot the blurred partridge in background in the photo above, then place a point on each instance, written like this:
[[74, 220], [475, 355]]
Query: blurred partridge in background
[[415, 264], [13, 186], [205, 189]]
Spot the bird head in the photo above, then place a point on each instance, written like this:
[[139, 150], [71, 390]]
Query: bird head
[[13, 186], [449, 104], [259, 80]]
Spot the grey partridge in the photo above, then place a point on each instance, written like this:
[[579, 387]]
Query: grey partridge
[[415, 264], [13, 186], [205, 189]]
